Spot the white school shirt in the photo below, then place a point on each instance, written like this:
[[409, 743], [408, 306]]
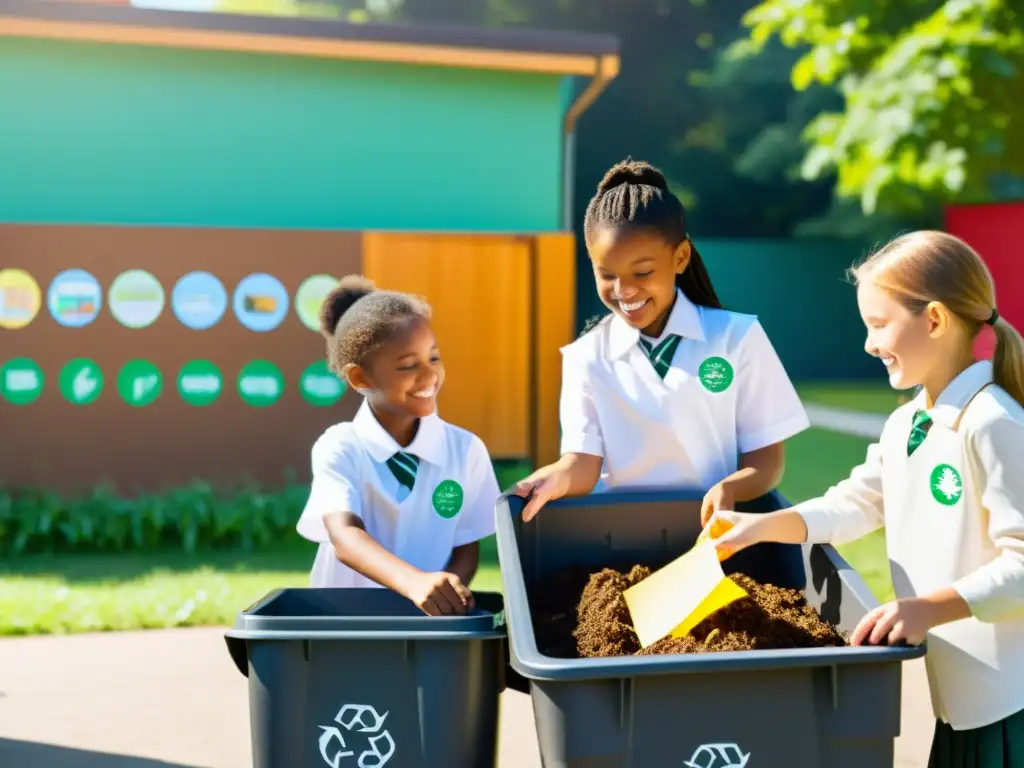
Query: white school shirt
[[451, 502], [953, 514], [726, 393]]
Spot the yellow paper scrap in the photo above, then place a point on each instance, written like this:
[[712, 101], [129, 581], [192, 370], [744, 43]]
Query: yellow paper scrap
[[727, 591], [679, 596]]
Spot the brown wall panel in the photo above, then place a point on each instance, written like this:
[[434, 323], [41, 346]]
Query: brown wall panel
[[479, 287], [555, 320], [54, 443]]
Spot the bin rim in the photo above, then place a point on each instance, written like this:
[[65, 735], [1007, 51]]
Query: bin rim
[[527, 660], [240, 633], [479, 623]]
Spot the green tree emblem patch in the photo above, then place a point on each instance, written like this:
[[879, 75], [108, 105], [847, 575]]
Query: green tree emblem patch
[[716, 374], [947, 485]]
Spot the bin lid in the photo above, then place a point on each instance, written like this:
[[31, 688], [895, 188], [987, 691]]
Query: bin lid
[[362, 613]]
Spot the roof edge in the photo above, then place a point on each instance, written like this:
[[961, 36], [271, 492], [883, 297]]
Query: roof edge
[[28, 15]]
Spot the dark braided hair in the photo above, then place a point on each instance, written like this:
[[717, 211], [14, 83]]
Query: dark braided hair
[[356, 319], [635, 194]]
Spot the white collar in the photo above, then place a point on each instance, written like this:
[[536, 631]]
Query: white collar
[[428, 443], [958, 393], [684, 319]]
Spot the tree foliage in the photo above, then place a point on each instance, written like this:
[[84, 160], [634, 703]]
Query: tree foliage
[[932, 93]]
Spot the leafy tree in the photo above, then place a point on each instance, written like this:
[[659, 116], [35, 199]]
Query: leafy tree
[[932, 92], [656, 109], [763, 119]]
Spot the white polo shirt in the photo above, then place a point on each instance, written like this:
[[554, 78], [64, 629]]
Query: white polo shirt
[[451, 502], [953, 513], [726, 393]]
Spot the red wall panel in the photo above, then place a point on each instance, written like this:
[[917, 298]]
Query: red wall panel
[[995, 231]]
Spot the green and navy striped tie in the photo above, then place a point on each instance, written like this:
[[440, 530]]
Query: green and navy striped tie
[[661, 355], [919, 431], [403, 466]]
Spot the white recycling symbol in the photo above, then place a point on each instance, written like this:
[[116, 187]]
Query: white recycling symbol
[[718, 756], [362, 719]]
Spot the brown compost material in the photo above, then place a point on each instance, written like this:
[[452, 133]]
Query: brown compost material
[[580, 612]]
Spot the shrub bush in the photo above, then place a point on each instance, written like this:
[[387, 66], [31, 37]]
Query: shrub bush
[[191, 518]]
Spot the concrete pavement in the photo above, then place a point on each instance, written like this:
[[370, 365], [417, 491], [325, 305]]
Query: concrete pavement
[[173, 699]]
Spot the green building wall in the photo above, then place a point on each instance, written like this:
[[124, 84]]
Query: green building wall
[[144, 135]]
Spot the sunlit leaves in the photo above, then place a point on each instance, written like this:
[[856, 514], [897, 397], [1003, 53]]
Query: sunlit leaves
[[928, 100]]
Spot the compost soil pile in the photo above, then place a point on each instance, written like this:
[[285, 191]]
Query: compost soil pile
[[581, 613]]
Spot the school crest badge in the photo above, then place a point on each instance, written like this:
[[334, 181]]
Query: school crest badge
[[447, 499], [716, 374]]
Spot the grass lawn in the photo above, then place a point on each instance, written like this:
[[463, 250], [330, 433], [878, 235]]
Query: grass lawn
[[44, 594], [818, 459], [81, 593], [871, 397]]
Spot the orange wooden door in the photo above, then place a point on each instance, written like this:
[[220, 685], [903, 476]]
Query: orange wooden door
[[480, 289], [555, 323]]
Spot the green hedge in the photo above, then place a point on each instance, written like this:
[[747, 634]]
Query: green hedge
[[192, 518], [198, 517]]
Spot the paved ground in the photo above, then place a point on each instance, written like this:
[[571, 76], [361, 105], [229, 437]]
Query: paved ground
[[173, 699], [867, 425]]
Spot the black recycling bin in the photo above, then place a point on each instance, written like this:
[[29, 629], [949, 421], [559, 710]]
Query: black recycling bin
[[805, 708], [362, 678]]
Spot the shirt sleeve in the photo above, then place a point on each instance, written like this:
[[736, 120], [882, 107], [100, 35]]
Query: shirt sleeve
[[335, 488], [995, 591], [850, 509], [581, 430], [477, 519], [768, 407]]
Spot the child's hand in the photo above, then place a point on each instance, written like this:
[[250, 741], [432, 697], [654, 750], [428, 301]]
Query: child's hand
[[906, 620], [440, 594], [732, 531], [718, 498], [544, 485]]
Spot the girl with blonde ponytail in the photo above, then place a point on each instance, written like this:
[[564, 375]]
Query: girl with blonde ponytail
[[946, 480]]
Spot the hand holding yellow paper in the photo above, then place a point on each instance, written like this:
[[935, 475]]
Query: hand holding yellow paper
[[717, 527], [676, 598]]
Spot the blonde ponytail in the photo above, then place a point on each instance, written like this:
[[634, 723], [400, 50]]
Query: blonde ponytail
[[1008, 362]]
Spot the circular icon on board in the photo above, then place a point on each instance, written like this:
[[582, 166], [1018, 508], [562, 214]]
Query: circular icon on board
[[200, 382], [310, 297], [140, 383], [136, 298], [80, 381], [260, 302], [260, 383], [20, 298], [75, 298], [319, 386], [21, 381], [199, 300]]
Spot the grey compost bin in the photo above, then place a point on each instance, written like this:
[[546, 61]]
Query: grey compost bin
[[362, 678], [813, 708]]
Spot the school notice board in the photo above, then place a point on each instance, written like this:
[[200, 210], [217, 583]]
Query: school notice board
[[152, 357]]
